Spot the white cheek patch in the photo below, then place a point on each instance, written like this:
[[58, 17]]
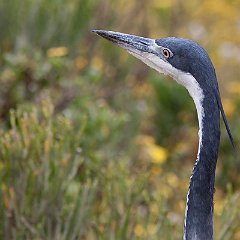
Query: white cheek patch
[[155, 62]]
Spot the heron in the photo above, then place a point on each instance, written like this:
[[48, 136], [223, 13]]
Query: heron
[[189, 65]]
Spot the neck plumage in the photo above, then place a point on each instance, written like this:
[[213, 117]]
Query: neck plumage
[[199, 208]]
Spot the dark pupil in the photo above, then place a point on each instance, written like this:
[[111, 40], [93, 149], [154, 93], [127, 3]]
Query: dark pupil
[[166, 53]]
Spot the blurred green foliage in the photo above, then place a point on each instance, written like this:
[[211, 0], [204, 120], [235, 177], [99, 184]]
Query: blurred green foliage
[[89, 149]]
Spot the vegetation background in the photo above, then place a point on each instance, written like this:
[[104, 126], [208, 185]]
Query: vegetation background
[[94, 144]]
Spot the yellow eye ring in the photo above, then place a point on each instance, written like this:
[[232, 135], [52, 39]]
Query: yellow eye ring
[[166, 53]]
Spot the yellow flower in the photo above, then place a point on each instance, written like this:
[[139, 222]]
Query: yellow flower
[[139, 230], [158, 154], [229, 107], [57, 52]]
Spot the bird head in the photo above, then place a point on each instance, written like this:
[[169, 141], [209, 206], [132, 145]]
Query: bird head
[[176, 57], [182, 59]]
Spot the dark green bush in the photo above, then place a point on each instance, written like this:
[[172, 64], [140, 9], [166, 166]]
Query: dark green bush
[[42, 192]]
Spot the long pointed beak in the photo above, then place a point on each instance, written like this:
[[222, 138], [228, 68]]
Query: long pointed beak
[[130, 42], [145, 49]]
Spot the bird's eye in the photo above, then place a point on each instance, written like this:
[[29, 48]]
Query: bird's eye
[[166, 53]]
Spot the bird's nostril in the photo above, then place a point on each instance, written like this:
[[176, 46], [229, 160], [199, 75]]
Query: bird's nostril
[[143, 43]]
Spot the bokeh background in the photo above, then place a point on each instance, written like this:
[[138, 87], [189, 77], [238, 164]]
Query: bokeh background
[[94, 144]]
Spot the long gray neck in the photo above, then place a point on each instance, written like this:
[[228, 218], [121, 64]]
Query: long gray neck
[[199, 208]]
